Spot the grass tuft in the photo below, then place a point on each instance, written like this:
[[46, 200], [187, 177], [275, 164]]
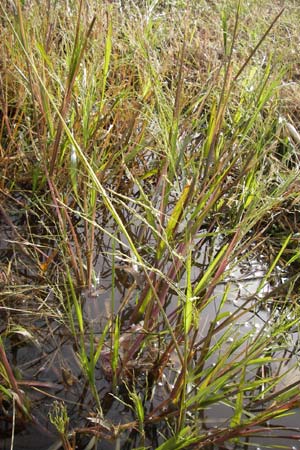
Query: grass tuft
[[149, 157]]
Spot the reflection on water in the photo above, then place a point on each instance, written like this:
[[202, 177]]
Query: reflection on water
[[49, 368], [253, 321]]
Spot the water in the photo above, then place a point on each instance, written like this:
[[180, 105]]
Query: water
[[47, 359]]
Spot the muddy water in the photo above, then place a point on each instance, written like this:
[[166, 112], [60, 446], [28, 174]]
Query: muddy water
[[48, 366], [244, 284], [254, 321]]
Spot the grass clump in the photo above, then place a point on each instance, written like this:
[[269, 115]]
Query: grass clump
[[149, 211]]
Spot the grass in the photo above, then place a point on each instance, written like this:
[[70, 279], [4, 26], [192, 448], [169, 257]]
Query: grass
[[149, 159]]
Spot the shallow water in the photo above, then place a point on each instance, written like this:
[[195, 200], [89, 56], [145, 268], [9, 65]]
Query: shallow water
[[48, 359]]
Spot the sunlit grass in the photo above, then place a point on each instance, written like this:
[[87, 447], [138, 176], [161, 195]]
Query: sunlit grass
[[161, 141]]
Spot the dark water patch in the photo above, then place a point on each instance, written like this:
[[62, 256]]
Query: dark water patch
[[45, 355]]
